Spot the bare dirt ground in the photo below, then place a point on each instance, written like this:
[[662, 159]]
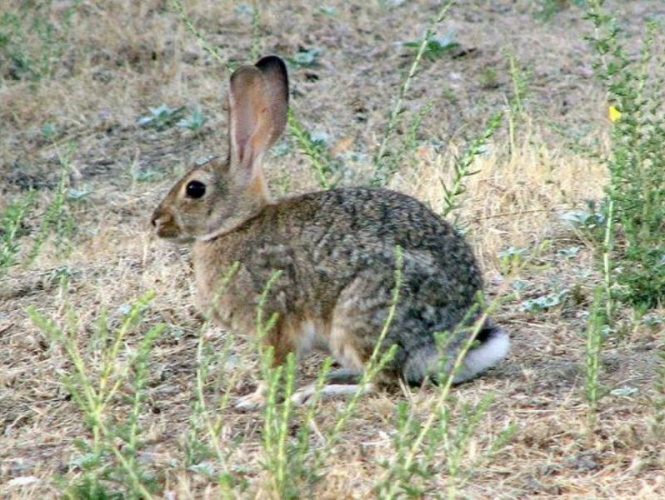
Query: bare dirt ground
[[118, 59]]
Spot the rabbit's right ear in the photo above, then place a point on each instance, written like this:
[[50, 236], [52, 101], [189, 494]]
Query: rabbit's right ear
[[258, 107]]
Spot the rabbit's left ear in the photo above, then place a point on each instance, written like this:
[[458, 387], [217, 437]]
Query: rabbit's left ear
[[258, 107], [277, 83]]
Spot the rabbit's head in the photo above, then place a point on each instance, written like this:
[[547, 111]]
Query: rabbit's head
[[218, 196]]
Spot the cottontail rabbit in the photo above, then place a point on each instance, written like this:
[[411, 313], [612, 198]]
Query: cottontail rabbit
[[335, 250]]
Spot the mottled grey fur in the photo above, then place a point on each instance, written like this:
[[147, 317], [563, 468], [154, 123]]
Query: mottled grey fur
[[339, 246]]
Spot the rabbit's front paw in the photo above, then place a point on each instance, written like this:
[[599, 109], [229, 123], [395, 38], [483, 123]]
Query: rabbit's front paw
[[253, 401], [303, 395], [308, 394]]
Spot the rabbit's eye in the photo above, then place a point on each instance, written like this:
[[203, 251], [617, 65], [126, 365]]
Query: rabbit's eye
[[195, 189]]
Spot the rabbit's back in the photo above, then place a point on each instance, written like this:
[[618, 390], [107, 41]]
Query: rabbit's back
[[336, 254]]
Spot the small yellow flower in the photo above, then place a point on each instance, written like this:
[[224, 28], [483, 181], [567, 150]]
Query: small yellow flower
[[614, 114]]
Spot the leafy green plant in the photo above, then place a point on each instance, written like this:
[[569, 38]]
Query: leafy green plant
[[161, 117], [256, 32], [194, 122], [49, 131], [569, 252], [544, 302], [520, 80], [33, 39], [292, 465], [252, 12], [58, 219], [378, 359], [305, 58], [512, 259], [201, 39], [98, 377], [550, 8], [204, 440], [78, 195], [436, 47], [462, 166], [658, 401], [517, 102], [636, 164], [11, 230], [596, 331], [425, 445], [489, 79], [399, 157], [592, 220], [288, 461], [215, 374], [326, 168], [386, 163], [382, 168]]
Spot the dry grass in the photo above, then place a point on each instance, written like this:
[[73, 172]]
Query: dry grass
[[122, 57]]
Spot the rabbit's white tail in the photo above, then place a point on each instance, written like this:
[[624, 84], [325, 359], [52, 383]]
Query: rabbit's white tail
[[493, 349], [426, 361]]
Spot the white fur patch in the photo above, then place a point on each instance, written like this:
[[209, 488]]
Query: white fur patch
[[485, 356], [302, 396], [311, 337], [341, 346], [212, 235]]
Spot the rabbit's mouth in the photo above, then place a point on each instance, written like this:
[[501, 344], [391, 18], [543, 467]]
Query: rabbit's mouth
[[172, 234], [178, 239], [167, 228]]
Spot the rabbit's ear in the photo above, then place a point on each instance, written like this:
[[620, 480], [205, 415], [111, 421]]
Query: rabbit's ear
[[277, 83], [258, 104]]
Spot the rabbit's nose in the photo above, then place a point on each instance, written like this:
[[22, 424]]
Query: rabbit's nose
[[157, 217]]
